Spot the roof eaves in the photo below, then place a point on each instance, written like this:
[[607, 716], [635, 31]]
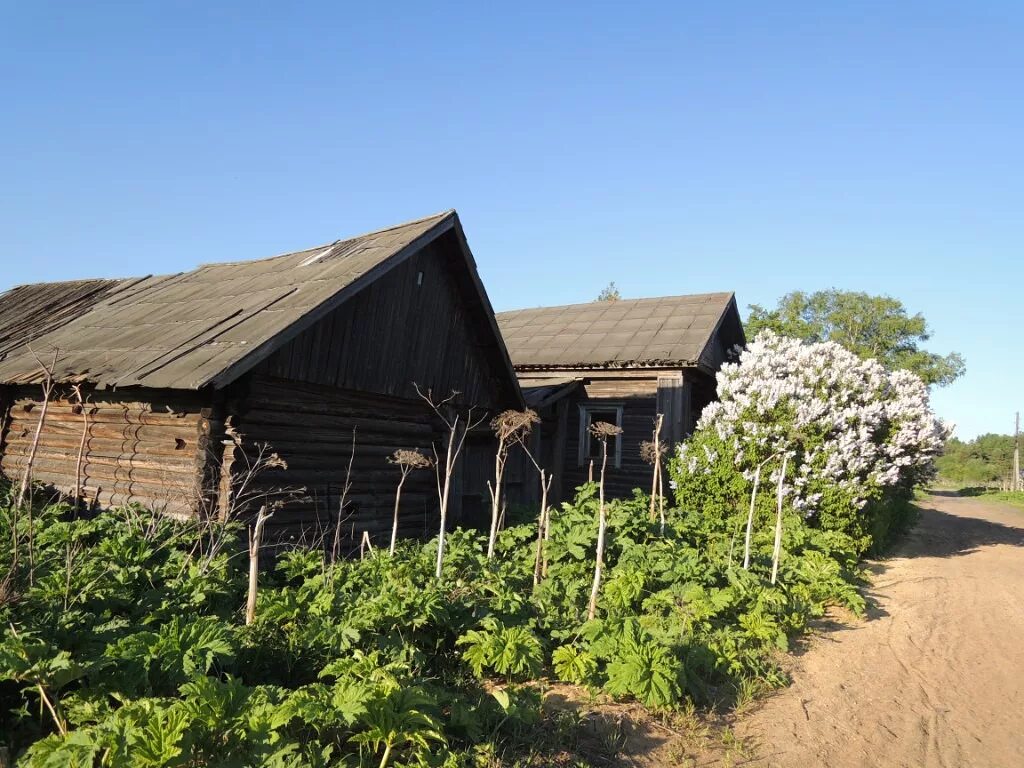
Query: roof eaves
[[607, 365]]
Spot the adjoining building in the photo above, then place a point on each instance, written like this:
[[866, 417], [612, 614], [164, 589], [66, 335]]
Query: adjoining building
[[621, 362]]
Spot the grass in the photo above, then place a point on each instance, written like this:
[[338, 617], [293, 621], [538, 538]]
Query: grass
[[1014, 498]]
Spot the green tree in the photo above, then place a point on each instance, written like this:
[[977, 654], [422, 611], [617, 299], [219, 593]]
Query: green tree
[[609, 293], [987, 459], [868, 326]]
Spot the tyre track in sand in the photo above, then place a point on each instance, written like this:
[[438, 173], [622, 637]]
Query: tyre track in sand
[[935, 677]]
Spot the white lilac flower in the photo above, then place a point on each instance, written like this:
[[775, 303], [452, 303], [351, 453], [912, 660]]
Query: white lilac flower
[[847, 421]]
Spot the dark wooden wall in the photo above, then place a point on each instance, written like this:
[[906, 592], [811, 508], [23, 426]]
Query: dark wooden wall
[[138, 449], [416, 323], [639, 398], [311, 428], [679, 395]]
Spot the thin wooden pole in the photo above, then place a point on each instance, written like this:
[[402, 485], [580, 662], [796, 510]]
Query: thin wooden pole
[[394, 522], [601, 526], [1016, 453], [777, 553], [255, 538], [81, 446]]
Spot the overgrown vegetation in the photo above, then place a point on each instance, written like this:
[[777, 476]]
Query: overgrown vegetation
[[985, 460], [130, 647], [125, 638]]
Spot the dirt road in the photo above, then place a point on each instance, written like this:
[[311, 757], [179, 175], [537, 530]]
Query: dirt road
[[936, 677]]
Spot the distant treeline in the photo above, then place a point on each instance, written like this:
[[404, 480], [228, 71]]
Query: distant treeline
[[986, 459]]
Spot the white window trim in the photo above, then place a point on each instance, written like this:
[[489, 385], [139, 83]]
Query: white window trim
[[584, 436]]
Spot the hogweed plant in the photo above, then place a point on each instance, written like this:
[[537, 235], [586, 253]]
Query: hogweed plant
[[458, 427], [407, 461], [510, 427], [602, 431]]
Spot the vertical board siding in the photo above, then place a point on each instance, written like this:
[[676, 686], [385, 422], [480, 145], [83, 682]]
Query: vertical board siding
[[671, 394], [395, 332], [135, 451]]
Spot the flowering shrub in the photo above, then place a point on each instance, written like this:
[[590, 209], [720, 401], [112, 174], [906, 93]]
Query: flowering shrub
[[856, 435]]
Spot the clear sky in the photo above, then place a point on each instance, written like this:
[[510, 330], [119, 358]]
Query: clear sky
[[672, 148]]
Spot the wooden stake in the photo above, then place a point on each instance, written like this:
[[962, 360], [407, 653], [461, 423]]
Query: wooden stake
[[398, 497], [602, 524], [254, 563], [545, 486], [777, 553], [81, 446], [750, 519], [1016, 454]]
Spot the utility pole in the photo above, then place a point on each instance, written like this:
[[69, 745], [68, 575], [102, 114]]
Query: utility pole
[[1016, 454]]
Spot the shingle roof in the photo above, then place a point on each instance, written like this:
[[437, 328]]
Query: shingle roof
[[666, 331], [190, 329]]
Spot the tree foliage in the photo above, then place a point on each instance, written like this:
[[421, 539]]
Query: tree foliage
[[609, 293], [984, 460], [877, 327]]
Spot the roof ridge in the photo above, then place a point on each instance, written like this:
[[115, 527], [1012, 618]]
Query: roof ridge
[[69, 282], [618, 301], [322, 246]]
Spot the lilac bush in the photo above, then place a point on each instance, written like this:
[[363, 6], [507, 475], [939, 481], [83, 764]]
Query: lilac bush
[[855, 433]]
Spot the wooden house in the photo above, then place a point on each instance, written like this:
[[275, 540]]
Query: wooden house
[[186, 376], [621, 362]]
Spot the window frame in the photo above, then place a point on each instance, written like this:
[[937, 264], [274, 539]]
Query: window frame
[[586, 409]]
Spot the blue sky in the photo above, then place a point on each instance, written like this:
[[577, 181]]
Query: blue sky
[[672, 148]]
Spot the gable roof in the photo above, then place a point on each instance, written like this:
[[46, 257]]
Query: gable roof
[[670, 331], [207, 326]]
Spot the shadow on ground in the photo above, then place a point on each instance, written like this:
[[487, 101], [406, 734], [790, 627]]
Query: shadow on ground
[[946, 534]]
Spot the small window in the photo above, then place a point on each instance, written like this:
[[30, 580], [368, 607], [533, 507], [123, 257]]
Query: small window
[[590, 446]]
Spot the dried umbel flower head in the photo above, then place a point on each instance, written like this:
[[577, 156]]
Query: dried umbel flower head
[[513, 425], [649, 453], [273, 461], [602, 430], [408, 459]]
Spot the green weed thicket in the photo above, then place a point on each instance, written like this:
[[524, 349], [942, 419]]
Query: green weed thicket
[[127, 645]]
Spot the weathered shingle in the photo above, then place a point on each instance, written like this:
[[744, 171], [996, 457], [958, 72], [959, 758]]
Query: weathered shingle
[[185, 330], [665, 331]]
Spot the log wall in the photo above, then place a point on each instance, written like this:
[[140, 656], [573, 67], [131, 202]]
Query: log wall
[[136, 450], [311, 427]]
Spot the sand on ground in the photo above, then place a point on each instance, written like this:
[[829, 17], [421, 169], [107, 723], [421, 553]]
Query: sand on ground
[[934, 677]]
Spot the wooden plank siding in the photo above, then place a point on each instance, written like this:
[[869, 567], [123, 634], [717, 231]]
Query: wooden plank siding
[[410, 325], [136, 450]]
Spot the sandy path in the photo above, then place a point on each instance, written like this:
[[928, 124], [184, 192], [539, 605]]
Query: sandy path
[[936, 678]]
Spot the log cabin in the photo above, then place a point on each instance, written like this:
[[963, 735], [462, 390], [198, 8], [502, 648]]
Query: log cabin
[[187, 379], [621, 362]]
